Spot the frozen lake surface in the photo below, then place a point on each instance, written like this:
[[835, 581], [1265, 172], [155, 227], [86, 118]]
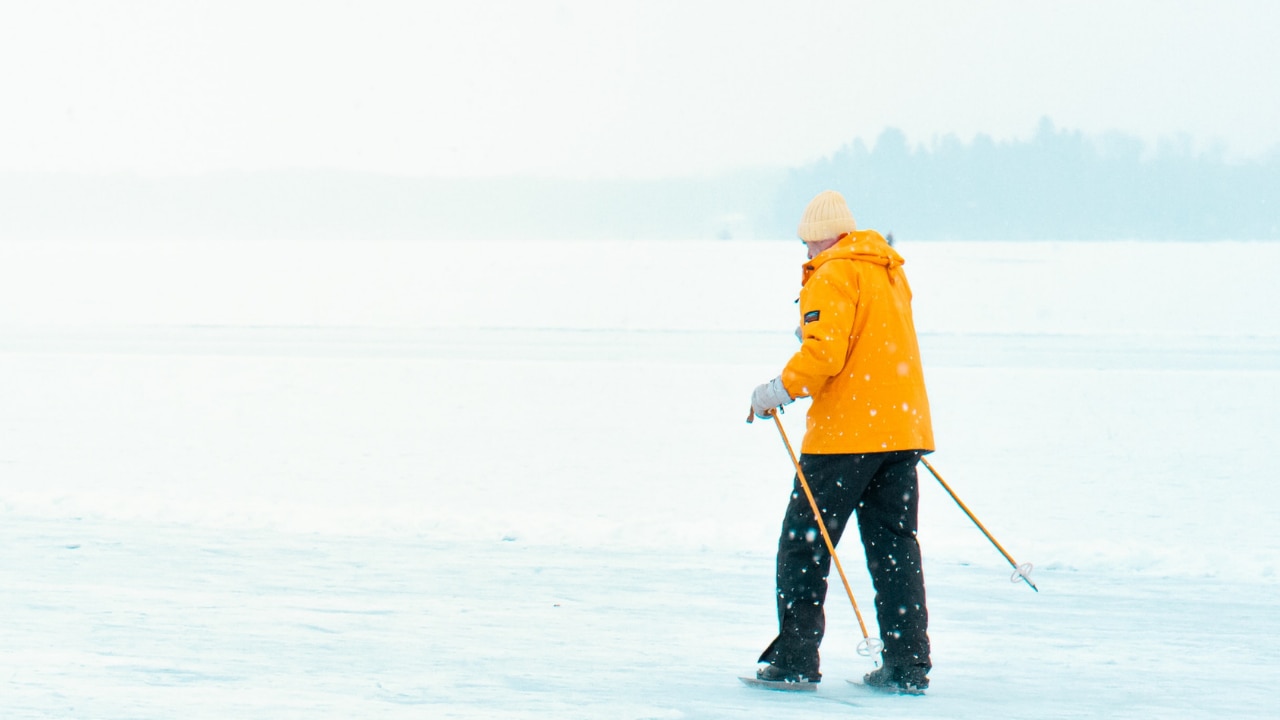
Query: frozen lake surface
[[512, 480]]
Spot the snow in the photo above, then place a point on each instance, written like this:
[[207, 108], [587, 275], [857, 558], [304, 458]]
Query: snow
[[511, 480]]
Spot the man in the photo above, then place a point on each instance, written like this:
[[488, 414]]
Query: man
[[866, 430]]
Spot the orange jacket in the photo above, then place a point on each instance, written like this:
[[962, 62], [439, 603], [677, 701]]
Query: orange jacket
[[859, 359]]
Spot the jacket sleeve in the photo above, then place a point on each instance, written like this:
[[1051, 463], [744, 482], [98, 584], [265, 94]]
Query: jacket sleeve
[[828, 302]]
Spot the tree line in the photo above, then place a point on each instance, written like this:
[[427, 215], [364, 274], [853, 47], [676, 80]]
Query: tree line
[[1059, 184]]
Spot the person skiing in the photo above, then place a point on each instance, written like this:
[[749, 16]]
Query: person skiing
[[866, 430]]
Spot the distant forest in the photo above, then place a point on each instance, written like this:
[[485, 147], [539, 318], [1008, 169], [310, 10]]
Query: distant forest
[[1058, 185]]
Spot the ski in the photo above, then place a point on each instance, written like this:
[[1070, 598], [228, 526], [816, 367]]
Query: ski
[[779, 685], [888, 689]]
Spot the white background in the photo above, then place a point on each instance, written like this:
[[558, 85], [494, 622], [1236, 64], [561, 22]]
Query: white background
[[618, 89]]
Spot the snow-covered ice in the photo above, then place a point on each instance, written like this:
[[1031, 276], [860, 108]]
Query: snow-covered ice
[[448, 480]]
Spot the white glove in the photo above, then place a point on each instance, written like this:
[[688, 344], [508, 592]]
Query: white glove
[[769, 396]]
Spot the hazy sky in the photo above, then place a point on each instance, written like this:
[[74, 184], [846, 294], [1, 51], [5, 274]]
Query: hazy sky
[[599, 88]]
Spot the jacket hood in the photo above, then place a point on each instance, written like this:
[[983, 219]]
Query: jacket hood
[[860, 245]]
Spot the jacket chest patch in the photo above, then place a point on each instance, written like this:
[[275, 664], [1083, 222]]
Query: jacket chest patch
[[811, 316]]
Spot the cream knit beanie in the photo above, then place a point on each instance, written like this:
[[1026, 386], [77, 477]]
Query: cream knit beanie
[[826, 217]]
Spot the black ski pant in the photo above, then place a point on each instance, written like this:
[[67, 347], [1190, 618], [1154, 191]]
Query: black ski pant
[[883, 489]]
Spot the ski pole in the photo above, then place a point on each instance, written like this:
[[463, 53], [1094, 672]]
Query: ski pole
[[868, 646], [1020, 572]]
